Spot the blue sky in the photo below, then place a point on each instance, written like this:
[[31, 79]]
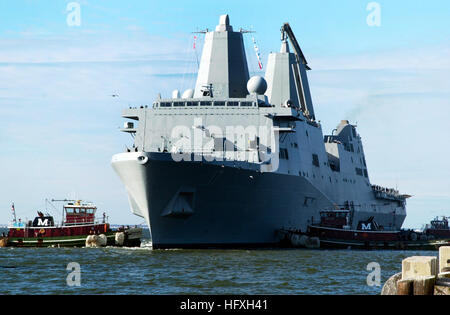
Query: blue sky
[[58, 122]]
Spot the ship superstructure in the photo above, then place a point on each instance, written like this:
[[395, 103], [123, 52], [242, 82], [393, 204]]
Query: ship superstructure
[[235, 159]]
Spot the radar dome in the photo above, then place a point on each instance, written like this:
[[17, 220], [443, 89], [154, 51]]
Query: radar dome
[[257, 85], [188, 93]]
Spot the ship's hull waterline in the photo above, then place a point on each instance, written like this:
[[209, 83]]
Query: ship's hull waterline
[[204, 205]]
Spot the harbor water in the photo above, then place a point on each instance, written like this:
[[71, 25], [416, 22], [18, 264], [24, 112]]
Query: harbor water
[[113, 270]]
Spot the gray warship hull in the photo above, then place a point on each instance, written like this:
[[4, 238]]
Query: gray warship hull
[[219, 205]]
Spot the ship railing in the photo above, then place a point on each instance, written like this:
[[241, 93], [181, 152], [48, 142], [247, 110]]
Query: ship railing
[[386, 193], [84, 222], [390, 191]]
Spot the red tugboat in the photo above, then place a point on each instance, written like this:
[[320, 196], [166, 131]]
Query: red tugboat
[[334, 231], [78, 223]]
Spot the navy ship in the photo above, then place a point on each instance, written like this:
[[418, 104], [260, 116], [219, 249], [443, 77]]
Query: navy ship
[[235, 159]]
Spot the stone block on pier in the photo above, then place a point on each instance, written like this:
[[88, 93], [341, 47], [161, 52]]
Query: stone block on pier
[[419, 266], [444, 258]]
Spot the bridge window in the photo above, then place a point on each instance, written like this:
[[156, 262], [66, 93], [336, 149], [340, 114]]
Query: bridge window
[[232, 103], [205, 103], [166, 104], [219, 103], [178, 104], [192, 103], [246, 103]]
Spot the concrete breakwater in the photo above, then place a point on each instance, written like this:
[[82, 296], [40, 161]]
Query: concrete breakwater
[[422, 275]]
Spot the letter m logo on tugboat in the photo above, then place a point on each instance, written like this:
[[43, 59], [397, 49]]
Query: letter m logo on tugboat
[[365, 226], [42, 220]]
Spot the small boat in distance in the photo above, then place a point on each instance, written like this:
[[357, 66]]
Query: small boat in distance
[[78, 224], [438, 228]]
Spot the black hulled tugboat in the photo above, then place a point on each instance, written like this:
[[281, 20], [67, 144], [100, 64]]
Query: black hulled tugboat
[[334, 231]]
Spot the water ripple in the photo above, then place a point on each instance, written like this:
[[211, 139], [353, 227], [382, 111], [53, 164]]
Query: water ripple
[[142, 270]]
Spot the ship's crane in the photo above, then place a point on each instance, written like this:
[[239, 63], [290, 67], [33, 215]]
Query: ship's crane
[[301, 80], [286, 30]]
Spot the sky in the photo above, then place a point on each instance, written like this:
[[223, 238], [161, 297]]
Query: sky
[[383, 65]]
